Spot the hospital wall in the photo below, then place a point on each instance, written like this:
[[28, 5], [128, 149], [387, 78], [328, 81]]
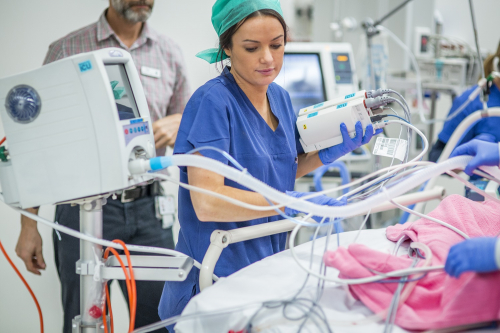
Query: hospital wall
[[27, 27]]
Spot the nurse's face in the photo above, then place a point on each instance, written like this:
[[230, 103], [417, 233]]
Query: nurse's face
[[258, 49]]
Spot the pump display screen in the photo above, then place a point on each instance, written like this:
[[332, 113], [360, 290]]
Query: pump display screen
[[124, 98], [302, 77]]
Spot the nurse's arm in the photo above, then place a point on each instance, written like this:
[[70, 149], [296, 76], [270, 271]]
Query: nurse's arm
[[209, 208], [307, 163]]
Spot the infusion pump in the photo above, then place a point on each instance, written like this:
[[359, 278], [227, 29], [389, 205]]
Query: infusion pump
[[72, 126]]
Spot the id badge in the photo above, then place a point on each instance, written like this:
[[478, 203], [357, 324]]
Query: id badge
[[165, 210]]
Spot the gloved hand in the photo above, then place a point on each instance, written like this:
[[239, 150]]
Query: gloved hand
[[330, 154], [485, 153], [472, 255], [486, 137], [320, 200]]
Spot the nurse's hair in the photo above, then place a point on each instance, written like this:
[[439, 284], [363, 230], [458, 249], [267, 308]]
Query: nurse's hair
[[226, 39], [491, 63]]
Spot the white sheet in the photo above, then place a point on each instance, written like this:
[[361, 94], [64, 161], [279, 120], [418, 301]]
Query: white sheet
[[276, 278]]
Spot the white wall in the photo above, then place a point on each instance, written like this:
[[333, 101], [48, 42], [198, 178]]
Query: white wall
[[27, 27], [457, 21]]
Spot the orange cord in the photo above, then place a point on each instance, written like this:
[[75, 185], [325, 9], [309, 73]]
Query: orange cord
[[131, 288], [3, 140], [133, 305], [24, 281]]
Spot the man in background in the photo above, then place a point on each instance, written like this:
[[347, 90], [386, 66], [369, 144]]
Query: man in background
[[130, 217]]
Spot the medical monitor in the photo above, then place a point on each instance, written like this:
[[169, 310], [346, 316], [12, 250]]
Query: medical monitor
[[315, 72], [72, 126], [302, 77]]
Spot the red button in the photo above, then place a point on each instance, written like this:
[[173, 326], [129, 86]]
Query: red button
[[126, 131]]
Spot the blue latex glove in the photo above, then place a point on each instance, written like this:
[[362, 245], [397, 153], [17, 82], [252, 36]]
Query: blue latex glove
[[485, 153], [486, 137], [330, 154], [320, 200], [472, 255]]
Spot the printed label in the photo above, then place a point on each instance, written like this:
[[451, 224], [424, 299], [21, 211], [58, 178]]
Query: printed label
[[151, 72], [318, 105], [341, 105], [349, 96], [390, 148], [312, 114], [85, 66]]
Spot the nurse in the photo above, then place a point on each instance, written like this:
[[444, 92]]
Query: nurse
[[480, 254], [245, 114]]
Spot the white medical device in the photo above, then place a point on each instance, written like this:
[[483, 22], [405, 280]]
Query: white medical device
[[316, 72], [319, 125], [72, 127]]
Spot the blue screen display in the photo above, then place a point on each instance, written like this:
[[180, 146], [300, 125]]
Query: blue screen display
[[302, 77]]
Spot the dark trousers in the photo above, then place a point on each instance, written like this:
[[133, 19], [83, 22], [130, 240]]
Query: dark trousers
[[134, 223]]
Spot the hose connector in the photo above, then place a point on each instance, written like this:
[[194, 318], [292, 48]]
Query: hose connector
[[140, 166], [374, 103]]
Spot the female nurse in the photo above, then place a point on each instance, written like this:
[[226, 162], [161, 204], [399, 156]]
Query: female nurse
[[245, 114]]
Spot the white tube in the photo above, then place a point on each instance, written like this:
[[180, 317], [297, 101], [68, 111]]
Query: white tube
[[103, 242], [300, 204], [452, 142], [444, 224]]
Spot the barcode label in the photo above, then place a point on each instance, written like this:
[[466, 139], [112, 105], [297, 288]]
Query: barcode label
[[390, 148]]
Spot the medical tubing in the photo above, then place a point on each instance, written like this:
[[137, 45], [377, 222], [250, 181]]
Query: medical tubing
[[39, 309], [464, 126], [427, 217], [469, 99], [103, 242], [344, 175], [472, 186], [397, 273], [301, 204]]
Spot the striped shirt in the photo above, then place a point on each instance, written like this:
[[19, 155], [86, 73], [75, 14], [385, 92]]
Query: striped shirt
[[165, 95]]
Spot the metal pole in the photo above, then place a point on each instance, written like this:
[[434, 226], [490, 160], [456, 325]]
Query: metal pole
[[476, 39], [484, 97], [90, 224], [385, 17]]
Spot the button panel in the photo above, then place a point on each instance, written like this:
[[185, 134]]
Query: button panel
[[134, 130]]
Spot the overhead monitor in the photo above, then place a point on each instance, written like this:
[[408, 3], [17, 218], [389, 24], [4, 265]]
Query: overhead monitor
[[302, 77], [316, 72]]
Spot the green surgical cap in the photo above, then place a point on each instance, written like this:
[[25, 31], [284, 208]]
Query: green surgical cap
[[226, 13]]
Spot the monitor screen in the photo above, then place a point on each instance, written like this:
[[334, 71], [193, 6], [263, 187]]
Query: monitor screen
[[302, 77], [124, 98]]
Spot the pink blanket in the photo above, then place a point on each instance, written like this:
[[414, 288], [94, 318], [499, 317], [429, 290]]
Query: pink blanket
[[438, 300]]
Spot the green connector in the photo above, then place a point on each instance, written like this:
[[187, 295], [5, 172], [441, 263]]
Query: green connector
[[3, 154]]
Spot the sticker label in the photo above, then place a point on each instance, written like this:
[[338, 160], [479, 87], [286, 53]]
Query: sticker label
[[390, 148], [318, 105], [305, 127], [85, 66], [152, 72], [312, 114], [361, 112], [349, 96], [341, 105]]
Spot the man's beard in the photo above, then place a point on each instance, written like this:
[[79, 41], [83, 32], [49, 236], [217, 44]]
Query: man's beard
[[125, 10]]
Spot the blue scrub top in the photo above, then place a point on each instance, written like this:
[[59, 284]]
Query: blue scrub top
[[220, 115], [488, 125]]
